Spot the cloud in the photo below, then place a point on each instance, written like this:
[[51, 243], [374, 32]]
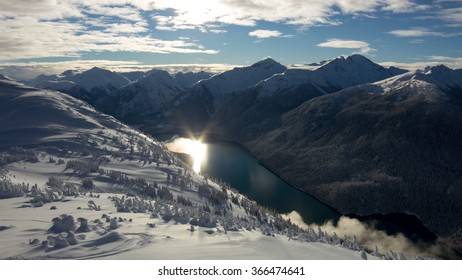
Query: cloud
[[451, 62], [189, 15], [29, 70], [51, 28], [417, 41], [451, 14], [363, 47], [421, 32], [218, 31], [260, 33], [400, 6], [27, 38], [43, 9]]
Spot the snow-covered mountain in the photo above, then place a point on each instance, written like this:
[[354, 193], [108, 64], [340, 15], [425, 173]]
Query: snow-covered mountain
[[221, 86], [331, 76], [440, 78], [344, 72], [95, 78], [83, 185], [146, 96], [98, 78], [242, 78], [90, 85]]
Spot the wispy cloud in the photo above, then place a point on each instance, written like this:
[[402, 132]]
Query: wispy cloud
[[362, 46], [218, 31], [421, 32], [260, 33], [451, 62], [406, 6], [451, 14], [417, 41]]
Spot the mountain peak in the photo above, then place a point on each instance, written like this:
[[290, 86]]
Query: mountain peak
[[437, 69], [267, 63], [97, 69], [355, 59], [358, 57], [156, 76], [69, 73]]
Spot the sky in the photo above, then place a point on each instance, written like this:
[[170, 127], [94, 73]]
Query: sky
[[50, 36]]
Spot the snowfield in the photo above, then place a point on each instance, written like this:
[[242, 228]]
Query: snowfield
[[77, 184]]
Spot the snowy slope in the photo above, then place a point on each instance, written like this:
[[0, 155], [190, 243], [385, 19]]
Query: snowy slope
[[432, 81], [86, 186], [289, 80], [133, 76], [353, 70]]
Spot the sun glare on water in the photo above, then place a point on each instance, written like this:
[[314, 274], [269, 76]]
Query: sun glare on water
[[195, 148]]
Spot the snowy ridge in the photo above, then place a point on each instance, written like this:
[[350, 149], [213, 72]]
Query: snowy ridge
[[330, 76], [289, 80], [2, 77], [239, 79], [91, 187], [151, 93], [190, 78], [87, 80], [97, 77], [430, 81], [353, 70]]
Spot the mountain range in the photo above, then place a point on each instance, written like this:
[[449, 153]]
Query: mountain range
[[363, 138]]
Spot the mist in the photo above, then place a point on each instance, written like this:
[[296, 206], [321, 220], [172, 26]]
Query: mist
[[370, 237]]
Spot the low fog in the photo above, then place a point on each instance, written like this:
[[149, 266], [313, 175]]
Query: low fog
[[369, 237]]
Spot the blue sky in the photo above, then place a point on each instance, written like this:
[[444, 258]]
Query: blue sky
[[54, 35]]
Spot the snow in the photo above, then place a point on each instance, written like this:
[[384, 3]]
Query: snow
[[190, 78], [87, 80], [135, 240], [328, 76], [120, 218], [152, 92], [2, 77], [240, 78], [289, 80], [429, 82]]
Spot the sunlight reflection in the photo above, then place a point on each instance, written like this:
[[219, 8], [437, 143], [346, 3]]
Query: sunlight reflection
[[195, 148]]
